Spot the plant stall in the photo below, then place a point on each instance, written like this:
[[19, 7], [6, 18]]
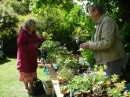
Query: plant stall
[[95, 84], [75, 77]]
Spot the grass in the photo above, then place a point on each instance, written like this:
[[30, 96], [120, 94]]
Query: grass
[[10, 86]]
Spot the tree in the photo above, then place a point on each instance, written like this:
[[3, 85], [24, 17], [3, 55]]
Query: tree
[[36, 5]]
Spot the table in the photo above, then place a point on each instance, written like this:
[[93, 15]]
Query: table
[[54, 81]]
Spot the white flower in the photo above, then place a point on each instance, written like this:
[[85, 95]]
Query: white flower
[[104, 73]]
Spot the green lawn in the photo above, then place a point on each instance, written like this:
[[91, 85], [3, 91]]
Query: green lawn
[[10, 86]]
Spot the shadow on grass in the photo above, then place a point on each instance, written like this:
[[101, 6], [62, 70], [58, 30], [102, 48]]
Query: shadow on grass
[[4, 60], [44, 95]]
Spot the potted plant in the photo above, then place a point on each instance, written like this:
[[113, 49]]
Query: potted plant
[[65, 74], [67, 61], [50, 46], [97, 84]]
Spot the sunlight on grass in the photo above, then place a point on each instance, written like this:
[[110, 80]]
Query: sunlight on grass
[[10, 86]]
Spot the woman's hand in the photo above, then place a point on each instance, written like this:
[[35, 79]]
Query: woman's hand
[[37, 44], [44, 37]]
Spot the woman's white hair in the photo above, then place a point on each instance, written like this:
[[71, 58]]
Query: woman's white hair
[[29, 22]]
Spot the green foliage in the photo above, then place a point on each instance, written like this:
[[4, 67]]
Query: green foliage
[[36, 5], [8, 18], [54, 22], [95, 83], [65, 73], [8, 25], [48, 36], [67, 61], [20, 8], [81, 24], [88, 56], [63, 25], [17, 6], [125, 34], [51, 47], [9, 40]]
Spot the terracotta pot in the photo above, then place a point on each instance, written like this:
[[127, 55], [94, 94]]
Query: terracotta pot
[[77, 94], [104, 94], [64, 91], [40, 65], [71, 55], [59, 79], [86, 94]]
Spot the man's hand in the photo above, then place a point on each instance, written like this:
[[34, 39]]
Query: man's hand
[[85, 46]]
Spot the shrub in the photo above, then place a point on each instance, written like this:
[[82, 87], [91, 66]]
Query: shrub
[[9, 42], [54, 20], [8, 18], [17, 6], [8, 25], [125, 34]]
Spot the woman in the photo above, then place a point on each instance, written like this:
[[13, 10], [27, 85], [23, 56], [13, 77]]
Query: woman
[[27, 44]]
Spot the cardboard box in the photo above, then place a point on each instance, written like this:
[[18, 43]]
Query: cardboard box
[[48, 87]]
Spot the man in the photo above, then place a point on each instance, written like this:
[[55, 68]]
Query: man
[[107, 46]]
